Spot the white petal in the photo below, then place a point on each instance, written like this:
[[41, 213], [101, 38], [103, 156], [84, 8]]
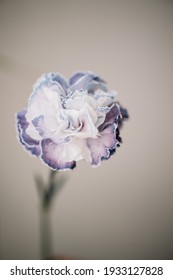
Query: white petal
[[105, 98], [32, 132], [46, 102]]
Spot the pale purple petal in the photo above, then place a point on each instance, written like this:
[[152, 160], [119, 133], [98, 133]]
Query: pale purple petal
[[111, 117], [49, 80], [75, 77], [54, 77], [39, 124], [29, 143], [52, 156], [101, 147], [124, 113], [71, 120], [125, 116], [78, 75], [86, 81]]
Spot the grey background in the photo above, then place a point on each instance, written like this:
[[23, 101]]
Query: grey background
[[122, 209]]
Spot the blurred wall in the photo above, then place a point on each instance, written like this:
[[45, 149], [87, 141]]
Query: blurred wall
[[122, 209]]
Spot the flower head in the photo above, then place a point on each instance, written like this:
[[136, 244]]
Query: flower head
[[71, 120]]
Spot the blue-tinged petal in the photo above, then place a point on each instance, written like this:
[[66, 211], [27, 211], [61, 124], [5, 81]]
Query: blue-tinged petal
[[124, 113], [55, 77], [38, 123], [52, 155], [86, 81], [75, 77], [125, 116], [102, 146], [101, 114], [29, 143], [112, 116], [51, 79], [50, 82], [94, 85]]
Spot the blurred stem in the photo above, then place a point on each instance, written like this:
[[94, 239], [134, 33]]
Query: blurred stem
[[45, 217], [45, 232], [47, 193]]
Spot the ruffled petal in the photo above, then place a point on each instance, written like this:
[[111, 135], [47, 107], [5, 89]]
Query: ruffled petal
[[86, 81], [81, 123], [125, 116], [112, 116], [75, 77], [105, 98], [29, 143], [68, 121], [101, 115], [38, 123], [45, 102], [51, 79], [46, 98], [54, 77], [53, 155], [101, 147]]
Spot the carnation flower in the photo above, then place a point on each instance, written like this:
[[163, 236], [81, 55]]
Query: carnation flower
[[71, 120]]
